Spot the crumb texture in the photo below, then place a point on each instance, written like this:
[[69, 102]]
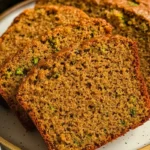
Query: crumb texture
[[130, 18], [87, 97], [28, 26], [12, 73], [33, 23]]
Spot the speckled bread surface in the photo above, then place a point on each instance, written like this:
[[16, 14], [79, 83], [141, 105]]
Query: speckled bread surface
[[12, 73], [87, 97], [130, 18], [29, 25], [35, 22]]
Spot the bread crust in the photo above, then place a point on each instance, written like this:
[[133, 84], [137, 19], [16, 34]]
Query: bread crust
[[141, 7]]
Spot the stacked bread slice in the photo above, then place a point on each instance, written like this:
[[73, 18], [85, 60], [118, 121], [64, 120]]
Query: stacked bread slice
[[66, 70], [17, 67]]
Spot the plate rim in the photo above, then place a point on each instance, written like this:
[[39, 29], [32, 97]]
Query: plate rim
[[13, 8]]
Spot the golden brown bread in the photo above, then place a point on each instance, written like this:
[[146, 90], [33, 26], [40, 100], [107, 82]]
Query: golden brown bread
[[32, 24], [129, 18], [87, 97], [17, 67]]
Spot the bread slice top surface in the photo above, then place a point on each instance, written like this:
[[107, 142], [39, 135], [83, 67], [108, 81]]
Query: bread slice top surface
[[84, 98], [35, 22], [12, 73], [129, 18]]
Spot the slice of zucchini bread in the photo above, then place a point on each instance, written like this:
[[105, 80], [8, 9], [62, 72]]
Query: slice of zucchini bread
[[84, 98], [130, 18], [35, 22], [31, 24], [17, 67]]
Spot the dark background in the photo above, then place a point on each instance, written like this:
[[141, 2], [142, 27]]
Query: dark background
[[5, 4]]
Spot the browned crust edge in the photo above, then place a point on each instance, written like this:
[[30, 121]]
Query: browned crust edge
[[17, 19], [141, 11], [139, 76], [23, 117]]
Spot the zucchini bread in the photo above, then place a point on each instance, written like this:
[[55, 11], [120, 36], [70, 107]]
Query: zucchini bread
[[35, 22], [13, 71], [84, 98], [31, 24], [130, 18]]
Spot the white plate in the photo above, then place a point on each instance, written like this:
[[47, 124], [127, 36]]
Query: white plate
[[12, 130]]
